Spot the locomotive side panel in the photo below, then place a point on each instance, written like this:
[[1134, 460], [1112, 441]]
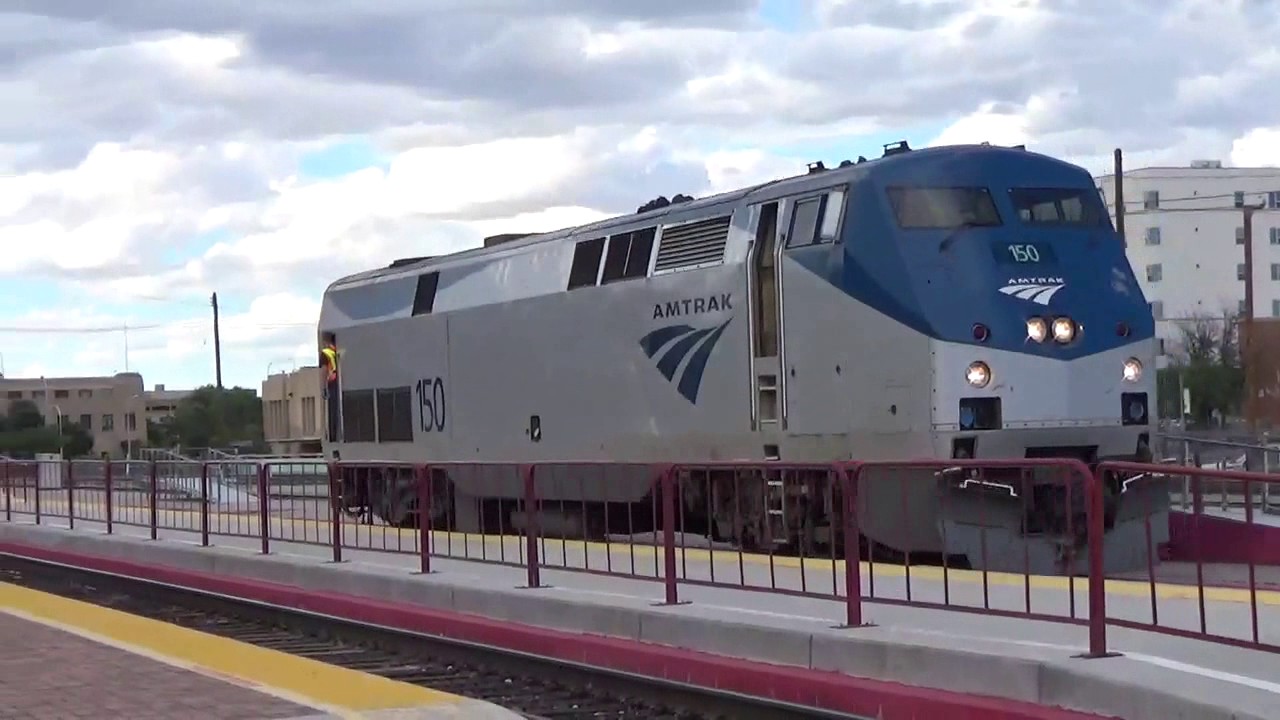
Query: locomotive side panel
[[570, 377], [397, 390]]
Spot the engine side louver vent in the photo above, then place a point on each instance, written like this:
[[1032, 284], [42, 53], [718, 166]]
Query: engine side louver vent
[[693, 244]]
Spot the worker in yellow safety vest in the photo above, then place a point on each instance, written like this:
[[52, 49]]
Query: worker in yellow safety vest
[[329, 354]]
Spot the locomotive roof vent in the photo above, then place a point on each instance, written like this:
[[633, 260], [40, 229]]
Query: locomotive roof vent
[[845, 163], [861, 159], [816, 167], [896, 148], [504, 237]]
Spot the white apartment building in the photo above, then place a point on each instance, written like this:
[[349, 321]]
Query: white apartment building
[[1184, 228]]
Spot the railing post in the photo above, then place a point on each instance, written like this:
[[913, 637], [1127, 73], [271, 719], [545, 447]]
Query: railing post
[[263, 516], [71, 494], [1097, 562], [335, 510], [38, 467], [849, 477], [153, 503], [532, 562], [1266, 484], [668, 493], [423, 475], [204, 504], [109, 482], [8, 493]]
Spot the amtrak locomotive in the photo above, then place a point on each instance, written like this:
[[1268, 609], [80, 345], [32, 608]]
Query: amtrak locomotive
[[952, 302]]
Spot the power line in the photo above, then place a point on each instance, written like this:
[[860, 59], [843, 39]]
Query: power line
[[1140, 205], [182, 324]]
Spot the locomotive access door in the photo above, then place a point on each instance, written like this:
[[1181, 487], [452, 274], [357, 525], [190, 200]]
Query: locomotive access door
[[767, 387], [809, 224]]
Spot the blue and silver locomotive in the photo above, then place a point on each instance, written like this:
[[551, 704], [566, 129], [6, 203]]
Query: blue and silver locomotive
[[951, 302]]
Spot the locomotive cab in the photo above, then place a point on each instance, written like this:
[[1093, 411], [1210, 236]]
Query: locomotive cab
[[1042, 346]]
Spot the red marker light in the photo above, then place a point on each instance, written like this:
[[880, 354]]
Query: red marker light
[[981, 332], [1122, 329]]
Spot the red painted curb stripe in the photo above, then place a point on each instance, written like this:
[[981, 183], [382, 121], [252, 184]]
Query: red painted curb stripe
[[829, 690]]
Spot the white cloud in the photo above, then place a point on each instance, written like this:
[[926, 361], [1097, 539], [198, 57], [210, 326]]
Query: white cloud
[[1259, 147], [130, 140]]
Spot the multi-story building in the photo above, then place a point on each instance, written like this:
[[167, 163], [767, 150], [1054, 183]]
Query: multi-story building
[[111, 408], [292, 411], [1184, 228], [162, 403]]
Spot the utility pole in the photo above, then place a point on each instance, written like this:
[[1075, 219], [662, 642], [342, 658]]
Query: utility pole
[[1246, 354], [1119, 175], [217, 342]]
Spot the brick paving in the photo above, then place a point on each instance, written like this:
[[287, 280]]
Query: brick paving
[[49, 674]]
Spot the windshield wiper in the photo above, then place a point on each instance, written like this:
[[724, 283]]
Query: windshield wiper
[[966, 225]]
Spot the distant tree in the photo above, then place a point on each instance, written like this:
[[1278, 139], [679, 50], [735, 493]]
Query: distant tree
[[210, 417], [24, 415], [23, 433], [161, 433], [1206, 362], [1229, 339]]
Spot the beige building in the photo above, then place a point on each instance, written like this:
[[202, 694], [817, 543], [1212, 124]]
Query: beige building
[[163, 403], [111, 408], [293, 411]]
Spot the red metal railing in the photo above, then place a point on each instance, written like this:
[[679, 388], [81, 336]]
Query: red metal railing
[[673, 524], [1251, 548]]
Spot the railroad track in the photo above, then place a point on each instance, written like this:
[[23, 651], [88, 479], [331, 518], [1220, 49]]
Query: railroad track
[[538, 688]]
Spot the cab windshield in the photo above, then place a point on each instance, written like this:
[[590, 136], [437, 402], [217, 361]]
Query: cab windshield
[[1058, 206], [943, 207]]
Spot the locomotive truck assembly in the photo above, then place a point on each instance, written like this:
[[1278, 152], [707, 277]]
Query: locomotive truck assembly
[[952, 302]]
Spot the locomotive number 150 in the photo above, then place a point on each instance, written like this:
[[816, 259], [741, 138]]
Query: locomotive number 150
[[1025, 253], [430, 404]]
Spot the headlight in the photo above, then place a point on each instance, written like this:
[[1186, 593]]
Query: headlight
[[1037, 329], [978, 374], [1064, 330], [1132, 370]]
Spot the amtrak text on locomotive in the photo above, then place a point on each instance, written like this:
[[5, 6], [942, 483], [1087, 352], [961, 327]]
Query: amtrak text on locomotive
[[693, 306]]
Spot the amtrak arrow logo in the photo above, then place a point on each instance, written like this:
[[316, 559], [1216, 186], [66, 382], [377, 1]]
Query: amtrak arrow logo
[[1038, 290], [684, 341]]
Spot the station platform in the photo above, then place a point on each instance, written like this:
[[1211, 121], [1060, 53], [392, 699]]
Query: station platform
[[64, 659], [990, 659]]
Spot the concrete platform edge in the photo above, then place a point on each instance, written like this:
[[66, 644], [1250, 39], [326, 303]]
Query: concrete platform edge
[[855, 673]]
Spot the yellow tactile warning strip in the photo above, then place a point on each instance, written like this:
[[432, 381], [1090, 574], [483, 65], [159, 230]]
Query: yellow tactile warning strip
[[309, 529], [338, 691]]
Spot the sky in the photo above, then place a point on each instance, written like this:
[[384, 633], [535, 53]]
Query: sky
[[154, 152]]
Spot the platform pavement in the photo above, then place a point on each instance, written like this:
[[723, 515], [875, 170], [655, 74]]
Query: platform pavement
[[177, 673], [1158, 677], [1229, 610]]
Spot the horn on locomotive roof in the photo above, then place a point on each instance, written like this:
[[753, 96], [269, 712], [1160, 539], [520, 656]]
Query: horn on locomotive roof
[[895, 148]]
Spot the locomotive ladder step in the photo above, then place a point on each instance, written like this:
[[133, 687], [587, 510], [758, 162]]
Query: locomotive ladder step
[[775, 498]]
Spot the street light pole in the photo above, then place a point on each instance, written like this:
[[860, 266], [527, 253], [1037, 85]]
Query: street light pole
[[61, 441]]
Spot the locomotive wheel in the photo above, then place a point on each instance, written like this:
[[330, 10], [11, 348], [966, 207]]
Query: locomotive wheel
[[399, 506]]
